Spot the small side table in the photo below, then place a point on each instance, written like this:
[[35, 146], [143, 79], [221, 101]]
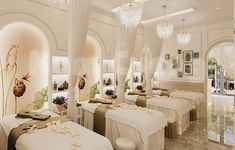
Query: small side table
[[62, 112]]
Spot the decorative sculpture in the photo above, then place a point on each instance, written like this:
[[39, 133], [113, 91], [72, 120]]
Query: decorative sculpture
[[19, 88], [81, 81]]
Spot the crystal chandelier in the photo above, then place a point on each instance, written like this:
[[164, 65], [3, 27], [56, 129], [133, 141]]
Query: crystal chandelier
[[183, 38], [165, 28], [130, 14]]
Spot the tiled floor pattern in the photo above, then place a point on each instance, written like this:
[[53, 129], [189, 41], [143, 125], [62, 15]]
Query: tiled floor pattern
[[196, 137]]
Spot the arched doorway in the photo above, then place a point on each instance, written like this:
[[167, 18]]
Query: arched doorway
[[220, 93], [91, 68], [29, 56]]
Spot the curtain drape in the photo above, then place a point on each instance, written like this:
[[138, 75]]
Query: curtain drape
[[150, 68], [225, 57], [152, 51], [124, 48], [142, 70], [78, 27]]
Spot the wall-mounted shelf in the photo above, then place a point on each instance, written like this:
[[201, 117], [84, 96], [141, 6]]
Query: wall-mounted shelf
[[108, 73], [58, 73], [108, 85], [137, 82], [56, 91]]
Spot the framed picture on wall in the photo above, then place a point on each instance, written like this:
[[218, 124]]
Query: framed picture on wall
[[188, 69], [180, 74], [195, 55], [175, 62], [167, 56], [188, 56], [179, 51]]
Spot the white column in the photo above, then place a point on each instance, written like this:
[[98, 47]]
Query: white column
[[78, 26], [147, 70], [222, 79], [233, 57], [50, 80], [142, 70]]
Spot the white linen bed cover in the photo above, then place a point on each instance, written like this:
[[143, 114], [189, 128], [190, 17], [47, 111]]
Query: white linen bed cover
[[145, 123], [173, 108], [42, 140], [179, 106], [196, 97]]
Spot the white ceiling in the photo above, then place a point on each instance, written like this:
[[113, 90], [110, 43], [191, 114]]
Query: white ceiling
[[205, 13]]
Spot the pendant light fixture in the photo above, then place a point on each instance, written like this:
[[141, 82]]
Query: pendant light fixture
[[165, 28], [130, 14], [183, 37]]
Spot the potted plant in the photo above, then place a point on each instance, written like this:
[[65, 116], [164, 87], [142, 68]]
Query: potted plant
[[94, 90], [139, 88], [59, 101], [109, 93], [127, 86]]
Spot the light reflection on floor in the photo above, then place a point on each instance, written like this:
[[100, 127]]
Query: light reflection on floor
[[220, 119], [196, 136]]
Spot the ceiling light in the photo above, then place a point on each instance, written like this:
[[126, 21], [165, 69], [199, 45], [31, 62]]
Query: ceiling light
[[183, 38], [218, 8], [130, 14], [170, 15], [165, 28], [115, 10]]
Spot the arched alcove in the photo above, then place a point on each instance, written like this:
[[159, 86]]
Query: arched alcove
[[210, 46], [31, 57], [91, 65], [220, 97], [99, 40], [12, 17]]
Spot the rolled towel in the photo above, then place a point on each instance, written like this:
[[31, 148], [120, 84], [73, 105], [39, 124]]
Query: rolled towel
[[32, 115]]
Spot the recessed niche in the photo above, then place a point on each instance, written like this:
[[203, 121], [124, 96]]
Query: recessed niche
[[30, 57]]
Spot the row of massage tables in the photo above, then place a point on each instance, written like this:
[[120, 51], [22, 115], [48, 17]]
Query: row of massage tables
[[147, 126]]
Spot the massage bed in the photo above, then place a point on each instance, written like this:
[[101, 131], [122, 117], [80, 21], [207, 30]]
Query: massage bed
[[144, 126], [176, 110], [195, 97], [44, 139]]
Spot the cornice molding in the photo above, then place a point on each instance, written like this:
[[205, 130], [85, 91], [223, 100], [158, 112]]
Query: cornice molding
[[47, 5], [65, 8]]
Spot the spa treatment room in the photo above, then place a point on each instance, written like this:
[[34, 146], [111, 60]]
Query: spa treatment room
[[117, 75]]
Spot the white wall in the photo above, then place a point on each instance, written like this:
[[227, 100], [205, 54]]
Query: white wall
[[32, 58], [54, 24], [105, 28], [203, 38], [91, 66]]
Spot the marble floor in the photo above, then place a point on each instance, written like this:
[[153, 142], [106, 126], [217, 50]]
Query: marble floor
[[196, 137]]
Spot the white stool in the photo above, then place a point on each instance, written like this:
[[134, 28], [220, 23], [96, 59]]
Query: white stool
[[124, 143]]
